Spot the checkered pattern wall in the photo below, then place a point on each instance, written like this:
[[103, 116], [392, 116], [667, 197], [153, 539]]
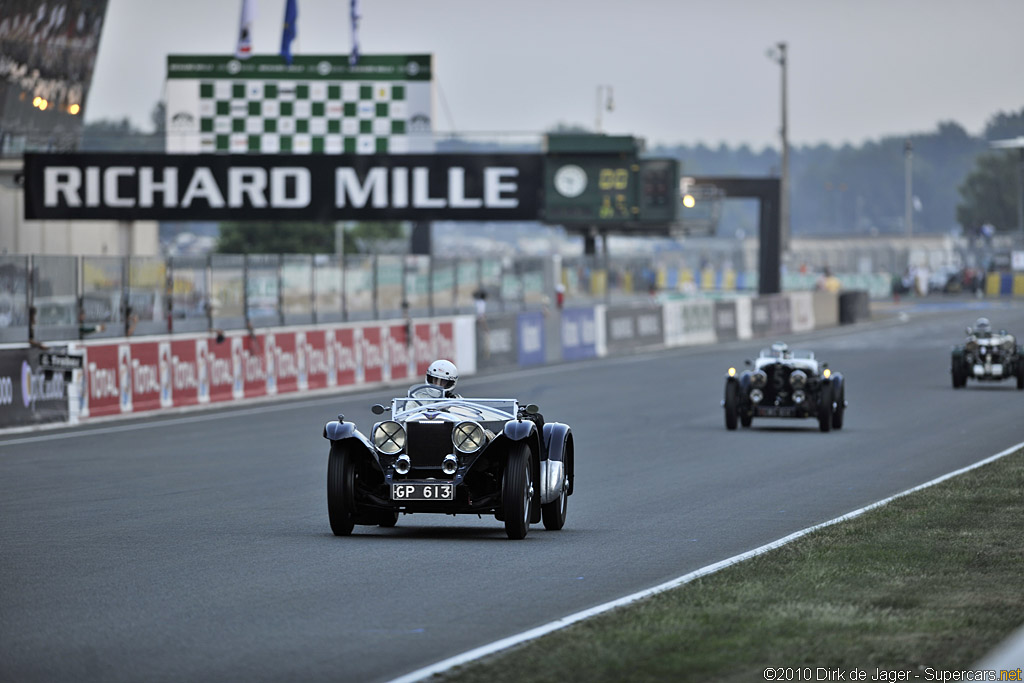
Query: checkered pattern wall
[[319, 105]]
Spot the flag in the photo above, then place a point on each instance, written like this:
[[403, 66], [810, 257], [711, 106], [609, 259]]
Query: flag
[[353, 58], [244, 48], [291, 13]]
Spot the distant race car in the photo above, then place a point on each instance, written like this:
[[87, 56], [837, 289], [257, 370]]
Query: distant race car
[[987, 356], [450, 456], [785, 383]]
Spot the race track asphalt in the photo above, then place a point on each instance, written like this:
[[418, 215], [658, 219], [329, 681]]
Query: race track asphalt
[[197, 548]]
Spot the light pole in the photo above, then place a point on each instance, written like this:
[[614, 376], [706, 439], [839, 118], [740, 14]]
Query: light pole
[[603, 91], [778, 55], [908, 186]]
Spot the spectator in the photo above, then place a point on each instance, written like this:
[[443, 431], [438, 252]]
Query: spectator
[[829, 282], [480, 302]]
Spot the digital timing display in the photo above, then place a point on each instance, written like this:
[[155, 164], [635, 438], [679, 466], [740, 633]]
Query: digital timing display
[[598, 189]]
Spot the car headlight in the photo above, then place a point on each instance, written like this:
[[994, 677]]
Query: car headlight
[[756, 395], [389, 437], [797, 379], [469, 437], [758, 379]]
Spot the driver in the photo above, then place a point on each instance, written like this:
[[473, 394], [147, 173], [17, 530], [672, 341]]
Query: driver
[[443, 373], [982, 328]]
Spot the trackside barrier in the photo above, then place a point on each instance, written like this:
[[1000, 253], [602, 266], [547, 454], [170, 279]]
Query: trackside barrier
[[129, 376], [854, 307], [801, 310], [689, 322], [1004, 284], [826, 309], [30, 395], [633, 327], [124, 376], [579, 333]]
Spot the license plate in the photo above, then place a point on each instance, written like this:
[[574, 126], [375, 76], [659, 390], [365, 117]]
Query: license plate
[[776, 411], [442, 492]]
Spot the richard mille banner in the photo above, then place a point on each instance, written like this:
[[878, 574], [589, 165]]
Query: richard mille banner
[[282, 187]]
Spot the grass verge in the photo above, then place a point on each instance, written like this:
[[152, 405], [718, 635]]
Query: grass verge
[[933, 579]]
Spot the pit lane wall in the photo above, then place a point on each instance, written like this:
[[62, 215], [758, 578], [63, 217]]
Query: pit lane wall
[[163, 373]]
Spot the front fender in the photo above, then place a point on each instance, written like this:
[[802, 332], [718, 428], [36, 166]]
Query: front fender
[[558, 466], [335, 431], [517, 430]]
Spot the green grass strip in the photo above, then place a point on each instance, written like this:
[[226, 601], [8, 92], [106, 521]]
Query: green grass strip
[[932, 579]]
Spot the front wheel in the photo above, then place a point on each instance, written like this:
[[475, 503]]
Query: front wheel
[[732, 401], [553, 513], [839, 410], [959, 376], [825, 408], [517, 491], [341, 486], [1020, 377]]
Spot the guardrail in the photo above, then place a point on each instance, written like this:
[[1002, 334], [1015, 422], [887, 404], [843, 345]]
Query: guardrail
[[49, 298]]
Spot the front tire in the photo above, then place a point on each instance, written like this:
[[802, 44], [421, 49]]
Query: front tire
[[839, 410], [959, 379], [553, 513], [389, 520], [732, 401], [517, 491], [341, 486], [825, 408]]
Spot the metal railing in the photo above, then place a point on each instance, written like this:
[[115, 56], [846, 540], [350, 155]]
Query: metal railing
[[46, 298], [72, 297]]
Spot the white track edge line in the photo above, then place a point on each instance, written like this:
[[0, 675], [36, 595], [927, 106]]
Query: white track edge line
[[534, 633]]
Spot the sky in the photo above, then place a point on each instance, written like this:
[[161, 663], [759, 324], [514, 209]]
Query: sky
[[681, 71]]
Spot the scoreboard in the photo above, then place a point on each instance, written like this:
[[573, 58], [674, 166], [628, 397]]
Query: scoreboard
[[590, 190], [608, 186]]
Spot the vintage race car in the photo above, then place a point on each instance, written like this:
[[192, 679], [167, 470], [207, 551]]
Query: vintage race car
[[450, 456], [785, 383], [987, 356]]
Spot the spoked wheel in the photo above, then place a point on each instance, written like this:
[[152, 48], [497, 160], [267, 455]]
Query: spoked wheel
[[341, 486], [517, 491], [553, 513], [825, 409], [732, 401], [839, 410]]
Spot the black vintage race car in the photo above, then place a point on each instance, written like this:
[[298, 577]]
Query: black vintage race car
[[450, 456], [785, 383], [987, 356]]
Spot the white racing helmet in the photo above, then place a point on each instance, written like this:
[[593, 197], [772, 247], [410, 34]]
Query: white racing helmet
[[442, 373]]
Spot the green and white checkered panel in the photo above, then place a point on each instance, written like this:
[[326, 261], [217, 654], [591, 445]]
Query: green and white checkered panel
[[295, 117]]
